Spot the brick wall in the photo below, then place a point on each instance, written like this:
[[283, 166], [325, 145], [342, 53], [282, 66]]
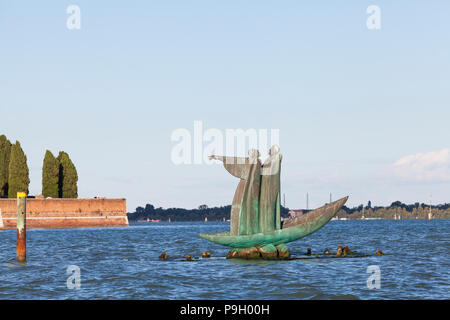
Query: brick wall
[[66, 213]]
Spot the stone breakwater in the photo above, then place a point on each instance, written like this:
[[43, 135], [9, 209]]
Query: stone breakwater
[[65, 213]]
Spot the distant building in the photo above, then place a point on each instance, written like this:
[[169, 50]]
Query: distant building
[[295, 213]]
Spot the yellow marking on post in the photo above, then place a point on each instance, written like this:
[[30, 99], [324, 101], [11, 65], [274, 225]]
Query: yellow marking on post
[[21, 194]]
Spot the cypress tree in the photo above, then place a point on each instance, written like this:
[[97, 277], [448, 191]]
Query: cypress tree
[[18, 178], [68, 177], [5, 152], [50, 176]]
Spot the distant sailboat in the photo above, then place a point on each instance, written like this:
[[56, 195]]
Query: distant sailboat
[[170, 220], [206, 219]]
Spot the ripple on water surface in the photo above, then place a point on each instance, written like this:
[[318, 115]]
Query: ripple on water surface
[[122, 263]]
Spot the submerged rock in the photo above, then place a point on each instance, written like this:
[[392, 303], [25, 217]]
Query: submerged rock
[[163, 256], [283, 252], [347, 250], [244, 253], [268, 252]]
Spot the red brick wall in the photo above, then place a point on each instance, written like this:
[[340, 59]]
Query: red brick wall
[[67, 213]]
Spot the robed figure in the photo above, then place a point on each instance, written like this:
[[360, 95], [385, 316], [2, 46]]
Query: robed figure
[[244, 218], [270, 198]]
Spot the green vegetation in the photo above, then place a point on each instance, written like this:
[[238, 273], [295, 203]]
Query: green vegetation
[[398, 209], [5, 152], [18, 179], [50, 176], [178, 214], [59, 175], [68, 177]]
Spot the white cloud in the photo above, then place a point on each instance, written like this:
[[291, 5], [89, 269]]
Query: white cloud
[[424, 167]]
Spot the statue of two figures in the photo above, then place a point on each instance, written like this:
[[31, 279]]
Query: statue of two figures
[[257, 202]]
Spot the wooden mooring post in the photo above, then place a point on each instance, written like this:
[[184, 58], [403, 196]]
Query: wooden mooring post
[[21, 250]]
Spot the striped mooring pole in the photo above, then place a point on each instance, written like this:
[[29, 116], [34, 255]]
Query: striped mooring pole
[[21, 250]]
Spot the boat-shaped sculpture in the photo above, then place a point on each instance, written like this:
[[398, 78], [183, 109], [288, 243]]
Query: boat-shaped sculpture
[[256, 229], [291, 229]]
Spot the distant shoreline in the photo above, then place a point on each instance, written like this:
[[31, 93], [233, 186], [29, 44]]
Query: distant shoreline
[[396, 211]]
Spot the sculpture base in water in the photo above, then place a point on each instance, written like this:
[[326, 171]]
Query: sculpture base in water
[[291, 230], [268, 252]]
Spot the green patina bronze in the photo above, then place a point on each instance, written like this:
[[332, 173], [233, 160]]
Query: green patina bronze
[[292, 229], [255, 213]]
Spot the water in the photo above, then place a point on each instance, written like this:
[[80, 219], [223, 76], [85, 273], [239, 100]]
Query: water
[[122, 263]]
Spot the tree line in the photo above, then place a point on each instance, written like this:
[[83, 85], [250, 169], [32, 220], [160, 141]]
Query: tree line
[[220, 213], [394, 205], [179, 214], [59, 175]]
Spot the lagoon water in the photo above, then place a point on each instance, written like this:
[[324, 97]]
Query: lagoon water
[[122, 263]]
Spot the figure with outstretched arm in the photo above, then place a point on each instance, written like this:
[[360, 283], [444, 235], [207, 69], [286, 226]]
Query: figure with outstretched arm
[[244, 216]]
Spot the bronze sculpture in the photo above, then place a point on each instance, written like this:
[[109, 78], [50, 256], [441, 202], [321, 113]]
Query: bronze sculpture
[[256, 229]]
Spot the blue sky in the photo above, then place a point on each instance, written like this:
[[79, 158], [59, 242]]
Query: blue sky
[[361, 112]]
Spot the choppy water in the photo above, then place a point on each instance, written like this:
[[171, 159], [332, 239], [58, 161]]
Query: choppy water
[[122, 263]]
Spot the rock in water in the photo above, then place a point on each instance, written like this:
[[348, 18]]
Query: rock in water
[[244, 253], [347, 250], [283, 252], [163, 256], [268, 252]]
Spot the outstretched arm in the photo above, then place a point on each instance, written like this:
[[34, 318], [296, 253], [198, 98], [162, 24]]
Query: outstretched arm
[[220, 158]]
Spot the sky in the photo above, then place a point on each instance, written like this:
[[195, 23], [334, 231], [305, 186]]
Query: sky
[[360, 112]]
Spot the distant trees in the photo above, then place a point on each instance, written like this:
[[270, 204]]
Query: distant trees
[[50, 176], [179, 214], [18, 173], [5, 152], [59, 175], [68, 177], [396, 206]]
